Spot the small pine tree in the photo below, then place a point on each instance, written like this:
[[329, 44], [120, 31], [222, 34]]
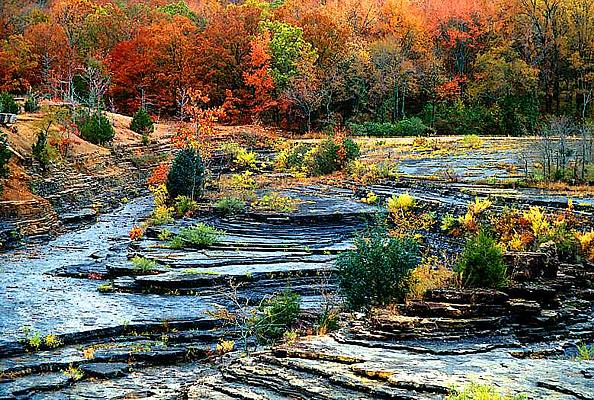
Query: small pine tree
[[186, 175], [7, 104], [39, 149], [5, 155], [31, 105], [142, 124], [481, 263], [96, 128]]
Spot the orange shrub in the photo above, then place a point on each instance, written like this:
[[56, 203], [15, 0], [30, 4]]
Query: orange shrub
[[136, 233]]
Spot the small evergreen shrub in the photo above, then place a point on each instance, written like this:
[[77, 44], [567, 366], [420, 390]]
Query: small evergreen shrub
[[377, 271], [31, 104], [7, 104], [39, 149], [142, 124], [230, 206], [481, 263], [277, 315], [5, 155], [186, 175], [95, 128], [201, 235], [325, 158]]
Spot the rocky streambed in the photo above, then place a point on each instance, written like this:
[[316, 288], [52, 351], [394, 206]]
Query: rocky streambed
[[78, 320]]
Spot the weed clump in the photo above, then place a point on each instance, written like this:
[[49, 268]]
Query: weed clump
[[185, 206], [230, 206], [277, 315], [276, 202], [144, 265], [585, 352], [475, 391], [201, 235]]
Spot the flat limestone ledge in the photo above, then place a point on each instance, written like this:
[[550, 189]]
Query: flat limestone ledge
[[323, 368]]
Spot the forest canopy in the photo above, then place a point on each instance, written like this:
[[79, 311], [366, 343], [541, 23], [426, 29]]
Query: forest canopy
[[458, 66]]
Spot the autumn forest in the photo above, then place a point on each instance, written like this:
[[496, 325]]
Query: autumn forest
[[455, 67]]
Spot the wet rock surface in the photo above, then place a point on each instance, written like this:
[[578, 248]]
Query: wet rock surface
[[146, 334], [70, 194], [330, 367]]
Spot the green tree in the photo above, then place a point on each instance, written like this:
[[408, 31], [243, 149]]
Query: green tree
[[287, 48], [506, 85], [142, 123], [182, 9], [96, 128], [481, 262], [7, 104], [186, 175], [5, 155]]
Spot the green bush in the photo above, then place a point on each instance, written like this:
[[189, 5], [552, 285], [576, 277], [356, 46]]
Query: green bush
[[176, 243], [230, 206], [186, 175], [326, 157], [142, 123], [292, 158], [7, 104], [144, 265], [407, 127], [95, 128], [381, 129], [31, 104], [277, 315], [39, 149], [474, 391], [481, 263], [5, 155], [201, 235], [185, 206], [377, 271]]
